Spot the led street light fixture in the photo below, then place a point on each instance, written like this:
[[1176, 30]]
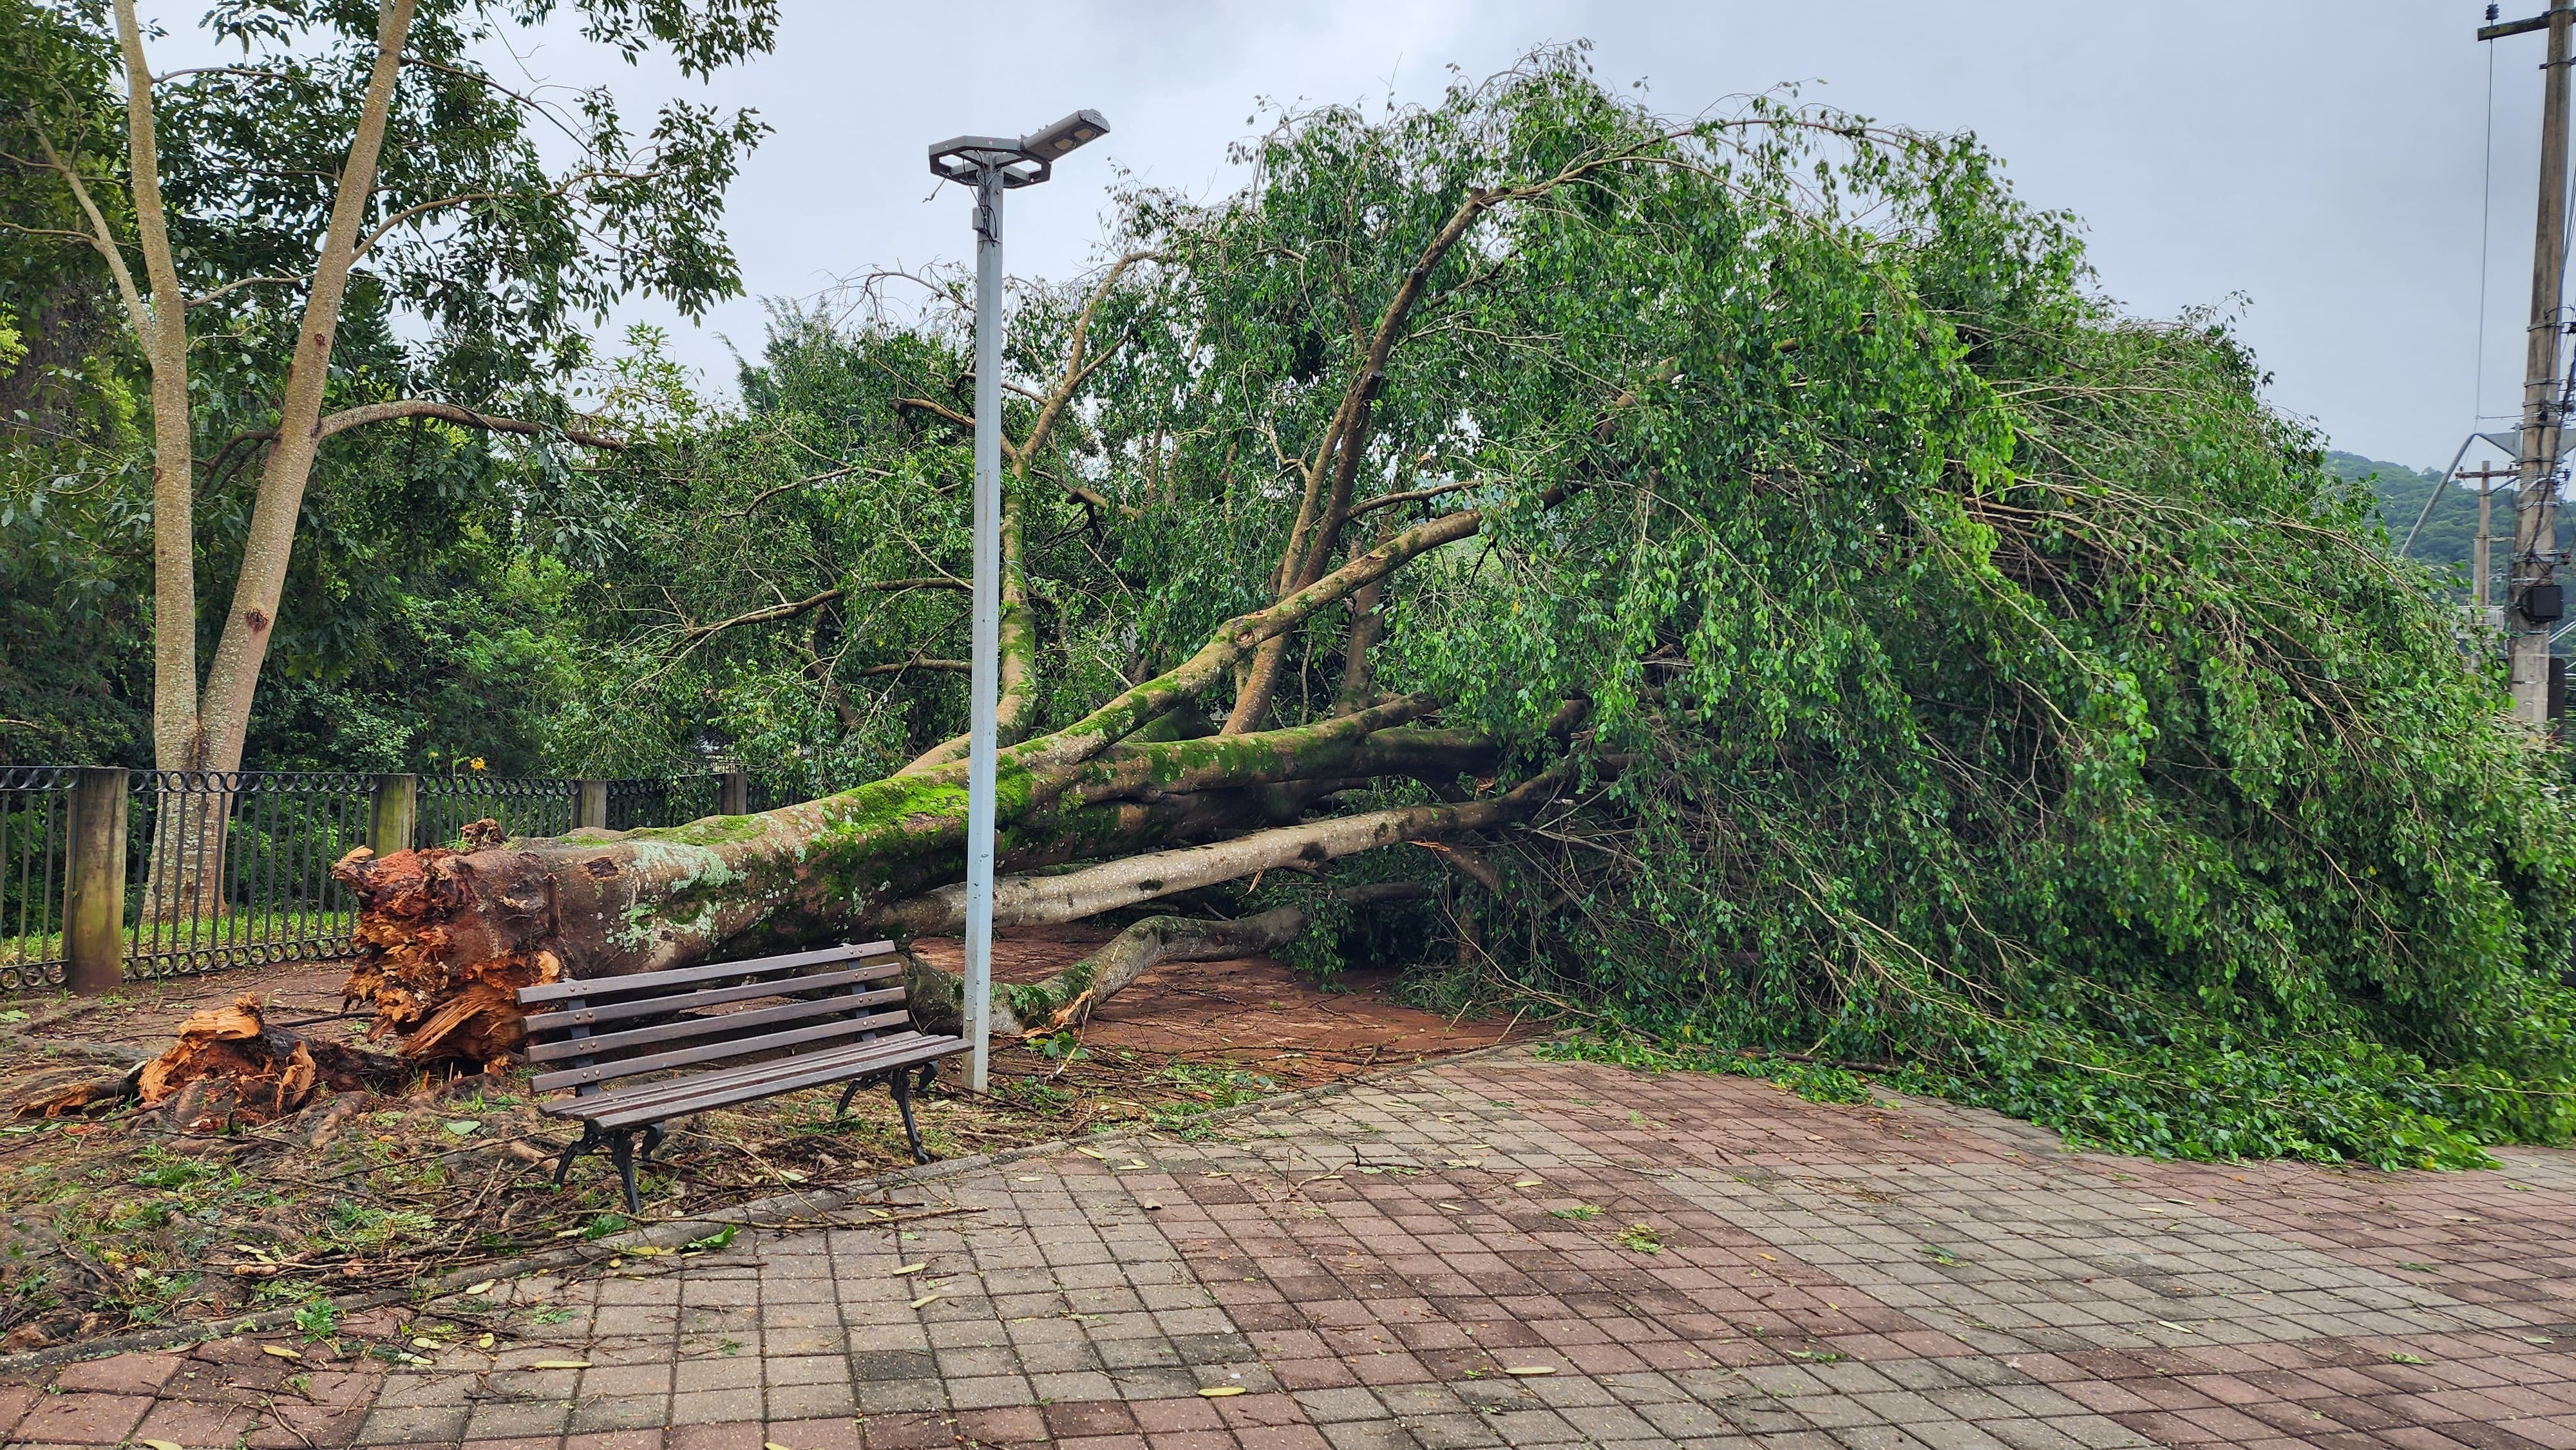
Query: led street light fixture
[[1025, 161]]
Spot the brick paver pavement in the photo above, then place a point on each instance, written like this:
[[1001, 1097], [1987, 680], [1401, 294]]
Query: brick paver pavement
[[1498, 1252]]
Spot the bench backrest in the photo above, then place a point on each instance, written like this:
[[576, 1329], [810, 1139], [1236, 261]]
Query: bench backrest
[[601, 1029]]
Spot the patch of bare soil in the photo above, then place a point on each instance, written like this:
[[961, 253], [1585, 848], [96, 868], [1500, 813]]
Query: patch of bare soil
[[115, 1215], [1250, 1011]]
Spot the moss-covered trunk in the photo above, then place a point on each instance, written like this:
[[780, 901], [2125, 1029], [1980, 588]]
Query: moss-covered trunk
[[447, 937]]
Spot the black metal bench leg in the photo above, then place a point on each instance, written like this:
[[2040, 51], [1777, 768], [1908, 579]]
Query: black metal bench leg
[[652, 1141], [563, 1165], [901, 1086], [847, 1093], [621, 1149]]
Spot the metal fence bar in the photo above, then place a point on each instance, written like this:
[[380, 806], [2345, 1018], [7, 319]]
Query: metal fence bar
[[35, 802]]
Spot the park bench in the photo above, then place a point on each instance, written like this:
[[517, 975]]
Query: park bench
[[721, 1035]]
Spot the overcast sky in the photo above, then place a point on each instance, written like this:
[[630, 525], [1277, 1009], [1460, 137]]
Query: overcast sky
[[2325, 162]]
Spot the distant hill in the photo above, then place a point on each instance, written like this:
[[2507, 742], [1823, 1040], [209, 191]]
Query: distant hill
[[2449, 533]]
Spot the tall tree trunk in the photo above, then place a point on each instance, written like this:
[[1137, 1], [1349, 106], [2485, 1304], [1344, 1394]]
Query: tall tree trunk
[[194, 730], [207, 730]]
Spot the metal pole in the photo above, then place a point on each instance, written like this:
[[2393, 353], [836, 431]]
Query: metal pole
[[984, 680], [2535, 531], [2481, 564]]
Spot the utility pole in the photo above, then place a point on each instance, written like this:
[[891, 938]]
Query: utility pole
[[2534, 601], [2481, 554]]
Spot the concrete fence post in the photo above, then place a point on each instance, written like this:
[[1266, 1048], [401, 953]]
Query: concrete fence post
[[94, 883], [733, 793], [394, 815], [590, 805]]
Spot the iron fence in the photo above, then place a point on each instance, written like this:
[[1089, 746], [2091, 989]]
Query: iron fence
[[635, 804], [35, 840], [213, 870], [233, 868], [525, 805]]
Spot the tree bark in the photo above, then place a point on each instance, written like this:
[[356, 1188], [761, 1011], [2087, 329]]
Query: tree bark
[[445, 938]]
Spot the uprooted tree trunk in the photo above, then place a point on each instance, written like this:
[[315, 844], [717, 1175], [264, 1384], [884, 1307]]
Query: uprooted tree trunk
[[446, 938]]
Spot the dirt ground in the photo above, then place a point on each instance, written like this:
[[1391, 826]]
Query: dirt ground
[[1253, 1010], [118, 1219]]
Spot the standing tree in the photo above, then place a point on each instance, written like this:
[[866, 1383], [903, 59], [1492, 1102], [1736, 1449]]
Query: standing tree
[[356, 226]]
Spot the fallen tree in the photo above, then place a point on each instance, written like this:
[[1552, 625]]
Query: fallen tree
[[447, 937], [1818, 626]]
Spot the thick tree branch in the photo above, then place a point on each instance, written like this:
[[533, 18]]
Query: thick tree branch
[[1074, 895], [1052, 407], [1322, 514], [1048, 758], [366, 413]]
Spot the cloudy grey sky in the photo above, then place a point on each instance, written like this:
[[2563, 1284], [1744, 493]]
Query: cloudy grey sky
[[2325, 162]]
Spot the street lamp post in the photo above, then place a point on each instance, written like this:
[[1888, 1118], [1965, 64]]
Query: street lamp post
[[991, 165]]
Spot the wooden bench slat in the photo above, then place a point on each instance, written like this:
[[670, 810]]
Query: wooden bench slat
[[564, 1019], [643, 981], [679, 1086], [688, 1027], [715, 1097], [656, 1102], [711, 1052]]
